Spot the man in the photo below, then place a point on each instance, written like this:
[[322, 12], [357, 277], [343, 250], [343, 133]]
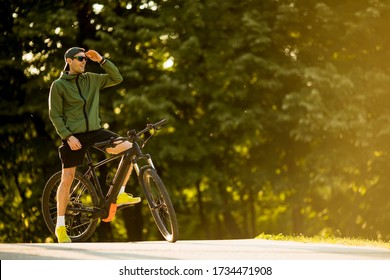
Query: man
[[74, 112]]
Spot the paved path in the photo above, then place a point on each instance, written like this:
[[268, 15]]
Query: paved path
[[242, 249]]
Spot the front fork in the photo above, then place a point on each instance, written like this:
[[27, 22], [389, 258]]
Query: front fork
[[148, 161]]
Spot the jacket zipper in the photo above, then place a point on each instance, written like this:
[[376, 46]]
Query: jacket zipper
[[85, 104]]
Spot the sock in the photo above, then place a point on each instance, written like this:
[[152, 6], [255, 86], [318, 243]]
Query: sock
[[122, 190], [60, 221]]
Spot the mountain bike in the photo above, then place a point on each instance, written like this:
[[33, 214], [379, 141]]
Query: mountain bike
[[88, 204]]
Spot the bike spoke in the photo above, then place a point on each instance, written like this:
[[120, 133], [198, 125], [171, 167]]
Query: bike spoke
[[83, 201], [160, 205]]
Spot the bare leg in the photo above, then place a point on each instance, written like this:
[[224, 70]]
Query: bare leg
[[124, 198], [118, 149], [64, 189]]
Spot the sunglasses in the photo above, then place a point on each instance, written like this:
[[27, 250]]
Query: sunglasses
[[81, 58]]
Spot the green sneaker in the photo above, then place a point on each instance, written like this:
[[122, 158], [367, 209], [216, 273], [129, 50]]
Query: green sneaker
[[126, 198], [62, 236]]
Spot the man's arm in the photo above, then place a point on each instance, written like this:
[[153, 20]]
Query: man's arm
[[56, 112], [113, 77]]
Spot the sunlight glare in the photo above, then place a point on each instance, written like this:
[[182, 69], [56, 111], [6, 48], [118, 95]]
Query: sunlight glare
[[97, 8], [169, 63]]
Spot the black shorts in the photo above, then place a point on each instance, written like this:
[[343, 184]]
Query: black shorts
[[70, 158]]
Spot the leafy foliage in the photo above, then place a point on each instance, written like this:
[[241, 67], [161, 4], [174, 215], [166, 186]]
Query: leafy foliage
[[278, 111]]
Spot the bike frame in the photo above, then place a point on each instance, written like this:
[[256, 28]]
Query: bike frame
[[129, 157]]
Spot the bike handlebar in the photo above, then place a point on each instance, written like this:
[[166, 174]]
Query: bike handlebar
[[157, 126], [132, 135]]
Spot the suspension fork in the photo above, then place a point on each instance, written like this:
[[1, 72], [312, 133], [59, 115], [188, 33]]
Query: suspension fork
[[146, 157], [138, 155]]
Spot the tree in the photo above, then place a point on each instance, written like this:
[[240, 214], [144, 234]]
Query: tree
[[277, 111]]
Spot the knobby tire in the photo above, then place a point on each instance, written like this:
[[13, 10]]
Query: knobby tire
[[83, 195], [160, 203]]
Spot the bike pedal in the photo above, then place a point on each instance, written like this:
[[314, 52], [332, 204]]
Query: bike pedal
[[111, 213]]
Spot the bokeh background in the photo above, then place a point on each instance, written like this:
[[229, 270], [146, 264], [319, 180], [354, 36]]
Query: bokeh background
[[279, 112]]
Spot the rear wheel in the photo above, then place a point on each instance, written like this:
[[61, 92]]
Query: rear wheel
[[83, 200], [160, 203]]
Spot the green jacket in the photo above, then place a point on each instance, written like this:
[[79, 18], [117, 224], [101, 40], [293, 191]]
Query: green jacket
[[74, 100]]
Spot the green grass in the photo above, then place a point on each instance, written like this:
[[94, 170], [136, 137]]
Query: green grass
[[326, 239]]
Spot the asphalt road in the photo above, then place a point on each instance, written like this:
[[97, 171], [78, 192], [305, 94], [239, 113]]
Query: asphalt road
[[241, 249]]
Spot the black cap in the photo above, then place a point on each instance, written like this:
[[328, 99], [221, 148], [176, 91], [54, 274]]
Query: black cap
[[70, 53]]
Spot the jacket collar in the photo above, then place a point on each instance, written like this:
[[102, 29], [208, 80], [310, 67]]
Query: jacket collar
[[66, 76]]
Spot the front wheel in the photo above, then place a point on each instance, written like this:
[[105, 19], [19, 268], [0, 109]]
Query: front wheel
[[83, 199], [160, 203]]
